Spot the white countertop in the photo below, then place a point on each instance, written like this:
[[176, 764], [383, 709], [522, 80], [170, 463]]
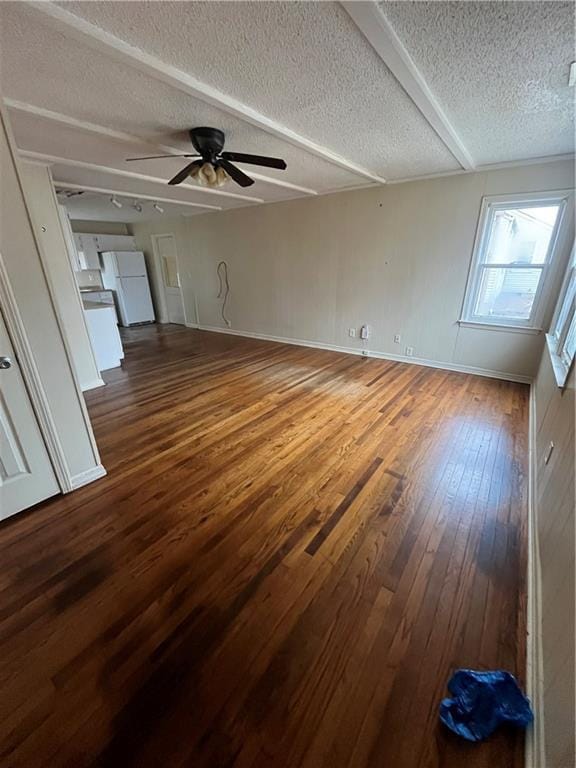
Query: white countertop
[[90, 305]]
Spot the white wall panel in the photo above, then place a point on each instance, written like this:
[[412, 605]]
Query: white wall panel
[[396, 258]]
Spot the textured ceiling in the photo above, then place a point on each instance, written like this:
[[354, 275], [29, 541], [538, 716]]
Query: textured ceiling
[[95, 207], [67, 71], [498, 71], [314, 72]]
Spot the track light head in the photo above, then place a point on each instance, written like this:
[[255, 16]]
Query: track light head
[[115, 202], [158, 208]]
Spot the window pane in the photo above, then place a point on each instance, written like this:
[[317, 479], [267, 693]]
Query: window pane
[[520, 235], [567, 308], [507, 293], [170, 272], [569, 350]]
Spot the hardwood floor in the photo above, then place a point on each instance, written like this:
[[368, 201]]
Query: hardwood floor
[[292, 551]]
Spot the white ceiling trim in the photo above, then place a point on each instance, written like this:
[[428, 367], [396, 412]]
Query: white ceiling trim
[[103, 41], [82, 125], [135, 196], [55, 159], [491, 167], [382, 37]]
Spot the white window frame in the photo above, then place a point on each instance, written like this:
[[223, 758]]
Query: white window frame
[[490, 205], [564, 324]]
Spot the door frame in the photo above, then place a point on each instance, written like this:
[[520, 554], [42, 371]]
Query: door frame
[[26, 360], [35, 388], [160, 273], [23, 350], [32, 380]]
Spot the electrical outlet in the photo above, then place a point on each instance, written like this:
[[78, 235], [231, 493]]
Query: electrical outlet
[[397, 338], [365, 353], [365, 332], [352, 332], [409, 351]]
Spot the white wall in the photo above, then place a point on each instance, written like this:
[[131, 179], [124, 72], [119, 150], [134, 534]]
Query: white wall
[[41, 198], [41, 323], [395, 257], [100, 227], [555, 504]]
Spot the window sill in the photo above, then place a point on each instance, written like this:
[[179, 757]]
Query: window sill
[[561, 370], [499, 327]]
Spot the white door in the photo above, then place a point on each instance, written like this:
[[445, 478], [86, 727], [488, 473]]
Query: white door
[[26, 474], [165, 246]]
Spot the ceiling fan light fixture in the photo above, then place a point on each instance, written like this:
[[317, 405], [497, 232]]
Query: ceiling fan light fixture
[[208, 176], [221, 177], [214, 168]]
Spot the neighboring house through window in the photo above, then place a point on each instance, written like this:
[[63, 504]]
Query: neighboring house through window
[[516, 245]]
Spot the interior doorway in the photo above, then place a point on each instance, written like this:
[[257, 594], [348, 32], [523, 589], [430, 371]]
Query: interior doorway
[[167, 260]]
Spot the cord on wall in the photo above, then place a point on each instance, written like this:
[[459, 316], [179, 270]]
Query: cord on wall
[[222, 272]]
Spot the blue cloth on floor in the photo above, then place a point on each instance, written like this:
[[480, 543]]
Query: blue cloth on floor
[[482, 701]]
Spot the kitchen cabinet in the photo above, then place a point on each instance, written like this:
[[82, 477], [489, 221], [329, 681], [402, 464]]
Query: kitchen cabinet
[[104, 335], [69, 238], [87, 246], [115, 243]]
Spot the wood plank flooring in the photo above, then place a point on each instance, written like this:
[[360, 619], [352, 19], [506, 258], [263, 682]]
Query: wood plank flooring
[[292, 551]]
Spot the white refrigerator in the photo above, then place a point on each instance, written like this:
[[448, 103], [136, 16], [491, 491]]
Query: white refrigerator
[[124, 272]]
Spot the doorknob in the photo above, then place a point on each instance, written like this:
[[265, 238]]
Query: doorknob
[[5, 362]]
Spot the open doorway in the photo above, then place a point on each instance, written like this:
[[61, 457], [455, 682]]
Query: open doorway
[[167, 260]]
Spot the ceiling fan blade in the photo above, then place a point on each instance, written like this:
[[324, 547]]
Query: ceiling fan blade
[[156, 157], [235, 173], [185, 172], [268, 162]]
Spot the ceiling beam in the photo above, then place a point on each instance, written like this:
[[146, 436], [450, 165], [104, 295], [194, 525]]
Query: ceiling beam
[[111, 133], [502, 166], [376, 28], [120, 193], [110, 45], [56, 160]]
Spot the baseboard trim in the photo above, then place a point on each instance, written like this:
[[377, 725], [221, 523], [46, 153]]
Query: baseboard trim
[[88, 476], [191, 325], [371, 353], [93, 385], [535, 736]]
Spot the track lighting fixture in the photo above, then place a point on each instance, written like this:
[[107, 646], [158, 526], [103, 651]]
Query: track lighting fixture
[[137, 207], [115, 202], [158, 208]]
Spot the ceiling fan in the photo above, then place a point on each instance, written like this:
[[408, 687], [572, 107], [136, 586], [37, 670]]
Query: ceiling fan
[[214, 167]]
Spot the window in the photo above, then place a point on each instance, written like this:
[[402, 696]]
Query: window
[[562, 337], [170, 269], [514, 250]]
